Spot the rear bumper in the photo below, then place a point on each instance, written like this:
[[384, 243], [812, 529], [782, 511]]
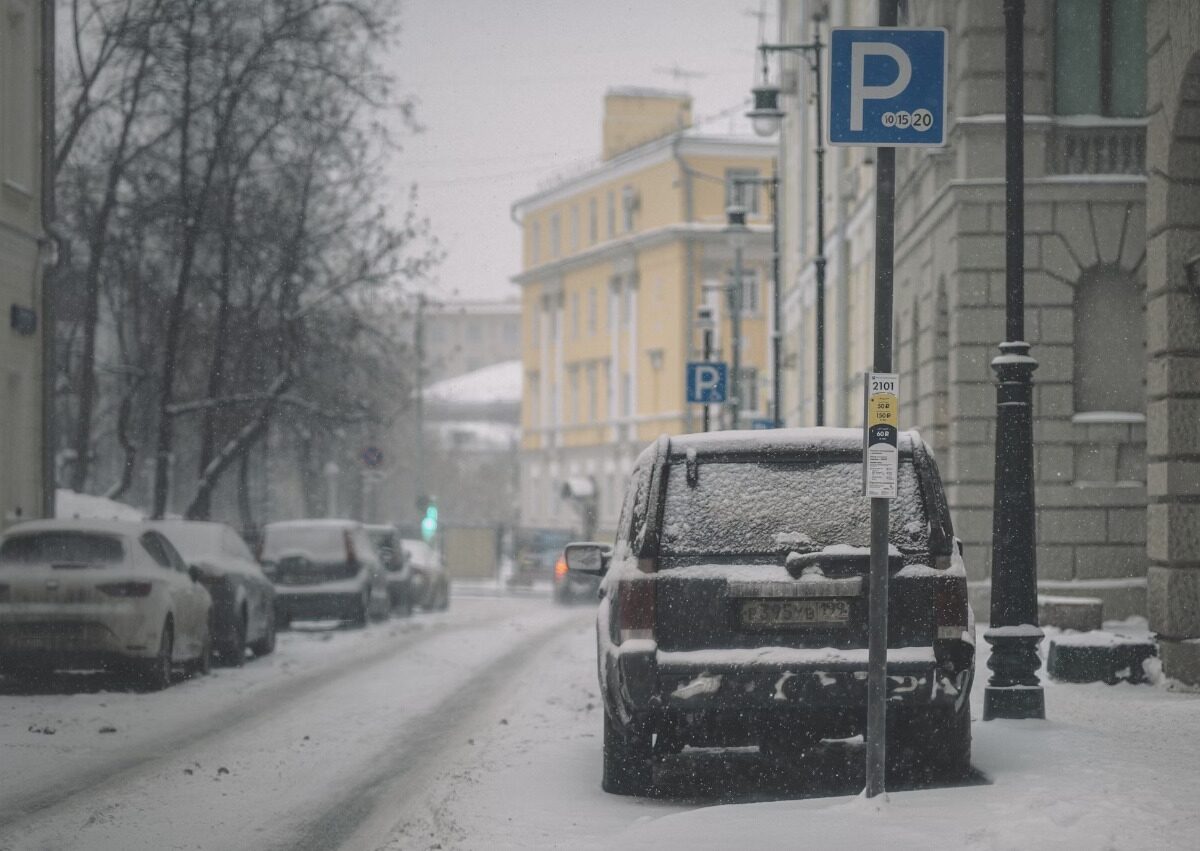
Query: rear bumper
[[82, 643], [317, 605], [759, 683]]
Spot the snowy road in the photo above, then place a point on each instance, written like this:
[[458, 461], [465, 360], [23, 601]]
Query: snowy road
[[479, 728], [318, 746]]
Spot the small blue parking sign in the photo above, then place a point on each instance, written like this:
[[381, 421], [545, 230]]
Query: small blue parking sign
[[706, 382], [887, 86]]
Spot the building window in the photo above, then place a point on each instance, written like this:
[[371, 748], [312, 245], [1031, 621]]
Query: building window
[[614, 301], [555, 235], [627, 394], [749, 389], [1100, 57], [591, 392], [18, 93], [612, 215], [1110, 343], [573, 402], [739, 193], [593, 221], [535, 243], [591, 310], [535, 400], [629, 205], [751, 302], [574, 228], [575, 315]]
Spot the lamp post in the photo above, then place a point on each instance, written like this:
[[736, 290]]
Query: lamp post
[[1013, 691], [766, 118], [737, 230]]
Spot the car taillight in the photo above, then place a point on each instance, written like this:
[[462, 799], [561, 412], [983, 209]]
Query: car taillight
[[560, 567], [635, 606], [125, 589], [950, 606]]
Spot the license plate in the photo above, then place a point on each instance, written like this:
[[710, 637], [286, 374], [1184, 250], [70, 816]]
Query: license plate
[[779, 614]]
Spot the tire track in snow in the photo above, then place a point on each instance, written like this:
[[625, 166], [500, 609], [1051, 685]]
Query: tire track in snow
[[356, 819], [37, 803]]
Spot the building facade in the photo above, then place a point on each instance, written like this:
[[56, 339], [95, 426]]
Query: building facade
[[1173, 332], [22, 241], [617, 259], [463, 336], [1086, 277]]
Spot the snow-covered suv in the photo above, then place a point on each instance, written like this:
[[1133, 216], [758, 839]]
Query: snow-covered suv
[[734, 606]]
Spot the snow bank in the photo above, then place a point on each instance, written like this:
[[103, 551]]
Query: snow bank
[[499, 382]]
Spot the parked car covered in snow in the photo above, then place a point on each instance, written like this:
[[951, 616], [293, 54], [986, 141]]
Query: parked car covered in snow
[[324, 569], [431, 587], [99, 594], [243, 610], [386, 540], [735, 603]]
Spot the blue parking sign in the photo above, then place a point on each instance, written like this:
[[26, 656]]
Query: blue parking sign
[[706, 382], [887, 86]]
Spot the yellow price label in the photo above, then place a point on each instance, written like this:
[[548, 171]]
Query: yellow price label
[[883, 409]]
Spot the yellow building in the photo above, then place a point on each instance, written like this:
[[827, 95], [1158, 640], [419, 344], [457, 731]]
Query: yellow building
[[617, 259]]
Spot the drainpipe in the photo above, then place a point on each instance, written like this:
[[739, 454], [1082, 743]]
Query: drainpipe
[[689, 215], [49, 245]]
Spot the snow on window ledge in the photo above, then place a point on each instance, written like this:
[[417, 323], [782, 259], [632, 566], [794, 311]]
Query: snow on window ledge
[[1088, 417]]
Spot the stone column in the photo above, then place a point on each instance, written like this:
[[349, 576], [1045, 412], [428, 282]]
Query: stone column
[[1173, 332]]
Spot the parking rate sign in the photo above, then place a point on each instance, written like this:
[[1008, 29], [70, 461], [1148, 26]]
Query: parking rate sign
[[706, 382], [887, 86]]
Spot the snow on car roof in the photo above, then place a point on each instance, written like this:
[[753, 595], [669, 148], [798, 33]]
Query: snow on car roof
[[780, 440], [317, 523], [115, 527]]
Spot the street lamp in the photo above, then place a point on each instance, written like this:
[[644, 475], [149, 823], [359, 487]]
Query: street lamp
[[738, 232], [1013, 691], [766, 118]]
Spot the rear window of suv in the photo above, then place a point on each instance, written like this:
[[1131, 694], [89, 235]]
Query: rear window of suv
[[771, 508], [62, 548]]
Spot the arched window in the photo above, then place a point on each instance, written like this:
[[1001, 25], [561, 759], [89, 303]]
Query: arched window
[[1110, 343]]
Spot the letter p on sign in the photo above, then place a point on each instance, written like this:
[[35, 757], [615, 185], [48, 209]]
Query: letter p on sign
[[887, 86]]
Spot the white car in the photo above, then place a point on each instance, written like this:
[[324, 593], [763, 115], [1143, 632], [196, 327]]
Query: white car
[[431, 587], [99, 594]]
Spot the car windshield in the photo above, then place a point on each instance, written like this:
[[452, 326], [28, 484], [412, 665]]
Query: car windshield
[[762, 508], [60, 547]]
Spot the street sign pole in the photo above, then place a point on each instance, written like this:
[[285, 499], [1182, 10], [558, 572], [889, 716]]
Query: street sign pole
[[708, 339]]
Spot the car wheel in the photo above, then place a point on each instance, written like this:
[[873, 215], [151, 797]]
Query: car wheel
[[628, 759], [233, 653], [202, 664], [933, 745], [358, 617], [155, 674], [265, 646]]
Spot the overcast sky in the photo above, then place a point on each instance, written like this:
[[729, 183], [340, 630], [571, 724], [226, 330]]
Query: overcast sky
[[511, 91]]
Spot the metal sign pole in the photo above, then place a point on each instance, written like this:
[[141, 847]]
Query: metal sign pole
[[885, 196]]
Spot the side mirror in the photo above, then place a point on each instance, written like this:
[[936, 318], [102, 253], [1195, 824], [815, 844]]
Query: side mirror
[[194, 572], [588, 558]]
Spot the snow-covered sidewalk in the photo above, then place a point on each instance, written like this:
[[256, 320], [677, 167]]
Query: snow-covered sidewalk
[[1113, 767]]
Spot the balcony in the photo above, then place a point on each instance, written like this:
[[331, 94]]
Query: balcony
[[1092, 145]]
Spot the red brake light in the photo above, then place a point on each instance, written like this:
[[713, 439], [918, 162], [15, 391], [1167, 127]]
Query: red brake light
[[560, 567], [635, 605], [126, 589]]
